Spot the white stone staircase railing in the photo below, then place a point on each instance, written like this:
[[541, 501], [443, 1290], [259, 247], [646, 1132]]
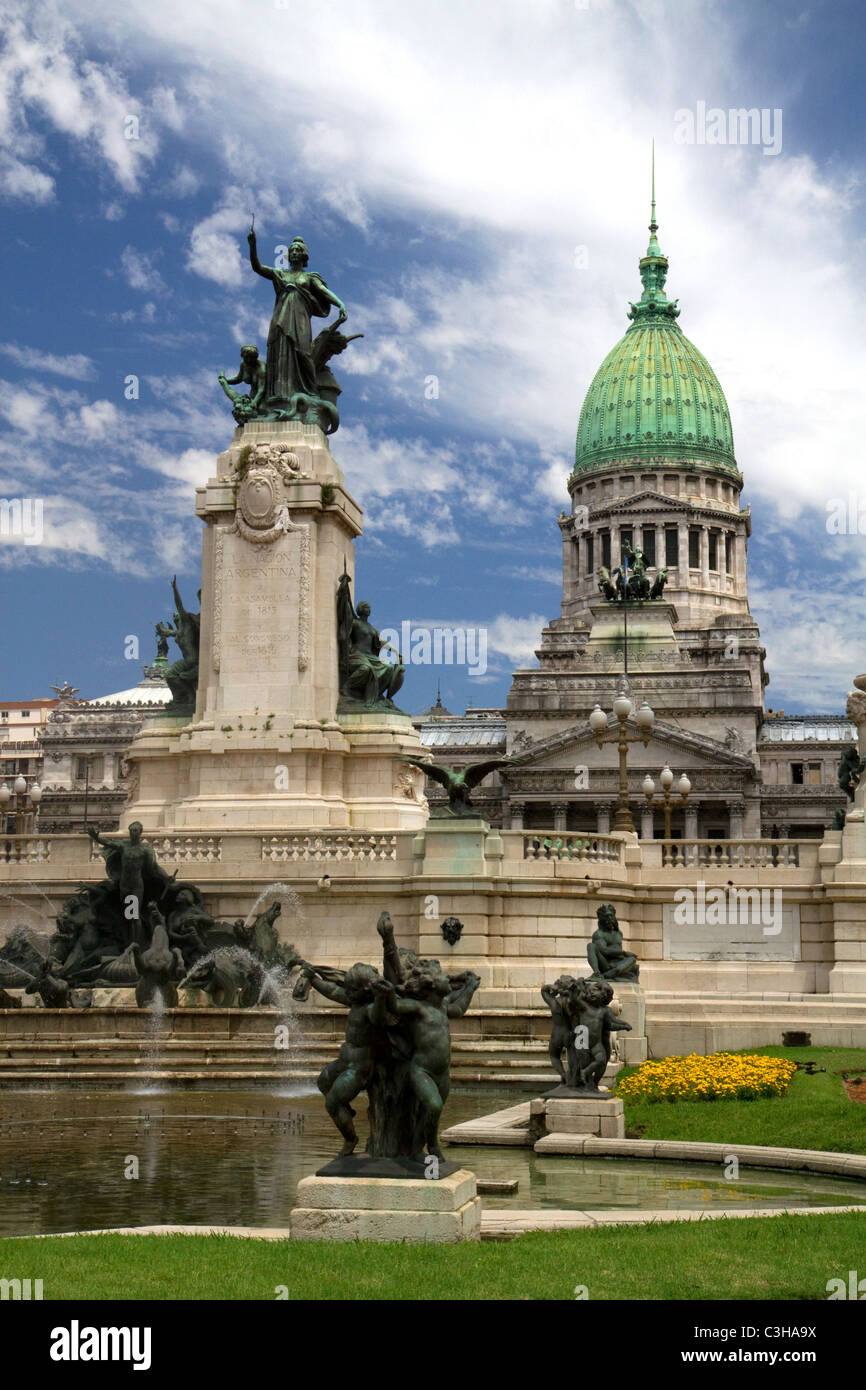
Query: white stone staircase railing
[[565, 845], [737, 854]]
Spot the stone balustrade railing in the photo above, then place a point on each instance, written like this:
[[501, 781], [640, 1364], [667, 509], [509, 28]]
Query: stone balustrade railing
[[332, 847], [187, 849], [25, 849], [244, 855], [739, 854], [566, 846], [176, 849]]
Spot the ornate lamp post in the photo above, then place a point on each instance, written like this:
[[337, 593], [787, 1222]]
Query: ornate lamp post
[[645, 717], [20, 800], [666, 778]]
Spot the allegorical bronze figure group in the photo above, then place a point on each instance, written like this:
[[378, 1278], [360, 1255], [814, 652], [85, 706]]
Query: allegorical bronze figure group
[[294, 382], [583, 1020], [398, 1050]]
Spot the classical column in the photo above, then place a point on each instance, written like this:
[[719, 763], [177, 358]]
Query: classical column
[[683, 534], [646, 824], [517, 810], [738, 814], [691, 821], [753, 830], [560, 815], [661, 560], [570, 559], [704, 556], [615, 548], [603, 819], [740, 565]]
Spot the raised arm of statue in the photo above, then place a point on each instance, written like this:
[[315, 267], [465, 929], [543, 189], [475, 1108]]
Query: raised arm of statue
[[177, 598], [459, 999], [392, 966], [266, 270]]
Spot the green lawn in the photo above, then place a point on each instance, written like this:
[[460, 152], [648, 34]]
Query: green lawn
[[785, 1257], [815, 1113]]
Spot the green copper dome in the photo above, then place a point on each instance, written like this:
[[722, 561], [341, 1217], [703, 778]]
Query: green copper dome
[[654, 397]]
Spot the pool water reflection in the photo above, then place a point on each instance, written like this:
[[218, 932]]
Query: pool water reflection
[[79, 1161]]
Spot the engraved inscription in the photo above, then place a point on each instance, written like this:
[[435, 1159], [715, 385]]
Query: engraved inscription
[[261, 605]]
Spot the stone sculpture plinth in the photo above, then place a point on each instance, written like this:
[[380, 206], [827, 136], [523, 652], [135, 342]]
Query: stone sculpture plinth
[[387, 1209], [632, 1047], [266, 746], [583, 1115]]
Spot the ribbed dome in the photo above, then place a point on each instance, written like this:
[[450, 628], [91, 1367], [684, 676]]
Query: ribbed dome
[[654, 395]]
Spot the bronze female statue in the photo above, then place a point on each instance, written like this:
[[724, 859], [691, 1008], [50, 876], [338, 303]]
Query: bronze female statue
[[301, 294]]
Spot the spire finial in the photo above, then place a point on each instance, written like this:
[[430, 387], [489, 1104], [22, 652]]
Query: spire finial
[[654, 303]]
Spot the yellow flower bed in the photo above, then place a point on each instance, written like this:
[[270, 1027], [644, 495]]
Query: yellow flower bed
[[721, 1076]]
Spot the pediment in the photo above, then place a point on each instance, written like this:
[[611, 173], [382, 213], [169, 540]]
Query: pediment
[[647, 501], [668, 744]]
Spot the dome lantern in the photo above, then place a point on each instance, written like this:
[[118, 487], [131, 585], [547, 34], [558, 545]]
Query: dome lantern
[[655, 399]]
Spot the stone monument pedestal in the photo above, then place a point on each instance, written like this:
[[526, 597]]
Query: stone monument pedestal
[[457, 846], [443, 1211], [580, 1115], [266, 747], [632, 1047]]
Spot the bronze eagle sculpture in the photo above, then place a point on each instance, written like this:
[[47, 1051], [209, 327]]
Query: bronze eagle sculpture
[[459, 782]]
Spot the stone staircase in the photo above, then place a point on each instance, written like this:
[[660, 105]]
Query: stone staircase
[[689, 1021], [115, 1047]]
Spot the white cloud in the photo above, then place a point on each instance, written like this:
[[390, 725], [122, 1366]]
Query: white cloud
[[74, 364], [140, 272], [43, 74], [797, 625], [192, 466], [384, 465], [99, 418], [516, 638], [24, 181], [183, 183]]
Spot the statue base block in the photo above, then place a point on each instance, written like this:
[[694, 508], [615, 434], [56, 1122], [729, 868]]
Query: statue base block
[[366, 1166], [388, 1209], [455, 846], [632, 1047], [583, 1115], [561, 1092]]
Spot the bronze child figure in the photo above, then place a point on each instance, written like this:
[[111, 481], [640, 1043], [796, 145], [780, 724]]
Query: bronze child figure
[[557, 997], [363, 991], [595, 1023]]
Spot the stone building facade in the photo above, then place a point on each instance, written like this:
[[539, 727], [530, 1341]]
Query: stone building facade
[[655, 468], [84, 743]]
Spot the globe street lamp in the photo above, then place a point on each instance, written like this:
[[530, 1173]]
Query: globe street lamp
[[20, 800], [645, 718], [666, 778]]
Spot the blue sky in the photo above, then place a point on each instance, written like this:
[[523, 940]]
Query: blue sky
[[443, 165]]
